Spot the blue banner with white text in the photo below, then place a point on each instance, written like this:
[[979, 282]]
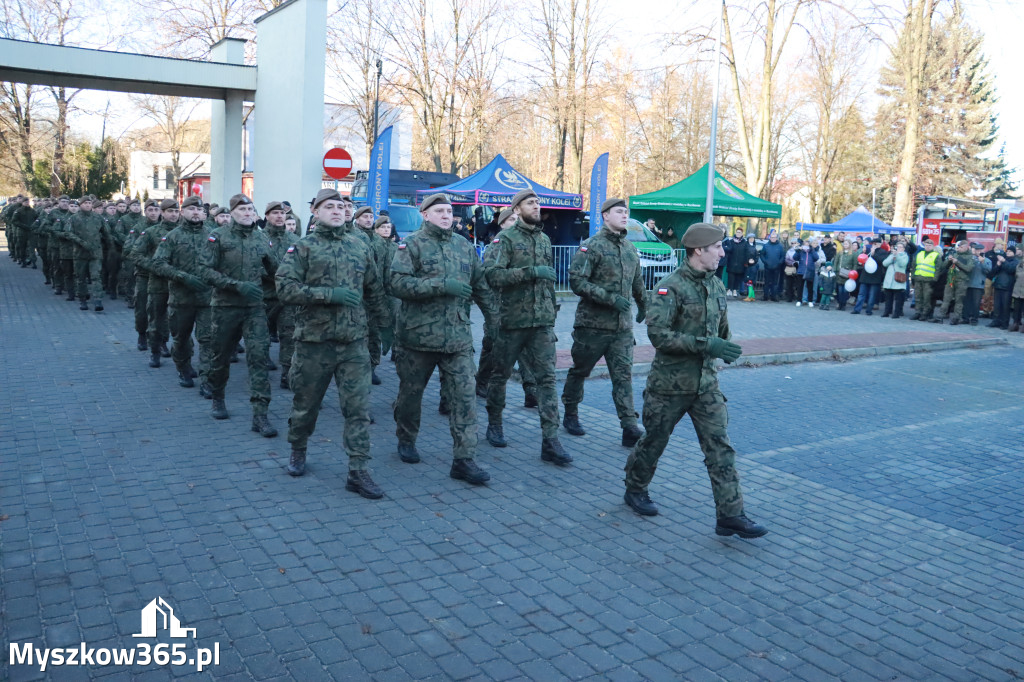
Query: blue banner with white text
[[598, 191], [379, 183]]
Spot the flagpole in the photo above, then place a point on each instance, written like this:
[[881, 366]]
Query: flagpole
[[709, 203]]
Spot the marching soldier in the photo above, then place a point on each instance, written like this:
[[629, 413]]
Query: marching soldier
[[689, 327], [53, 227], [85, 230], [522, 272], [363, 220], [280, 317], [157, 293], [332, 277], [605, 274], [234, 261], [67, 252], [151, 217], [959, 264], [437, 273]]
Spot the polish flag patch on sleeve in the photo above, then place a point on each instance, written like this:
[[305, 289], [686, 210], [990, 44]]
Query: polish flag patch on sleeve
[[212, 238], [291, 249], [583, 249], [496, 240], [401, 246], [662, 292], [163, 239]]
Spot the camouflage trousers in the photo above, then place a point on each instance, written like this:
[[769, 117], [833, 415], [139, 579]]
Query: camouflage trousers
[[414, 368], [67, 275], [589, 346], [535, 348], [54, 272], [44, 256], [182, 319], [281, 318], [141, 303], [487, 366], [710, 419], [231, 323], [373, 344], [21, 246], [313, 367], [953, 297], [158, 330], [113, 271], [924, 299], [87, 277]]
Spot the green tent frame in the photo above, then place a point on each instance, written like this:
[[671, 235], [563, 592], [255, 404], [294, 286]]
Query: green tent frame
[[690, 196]]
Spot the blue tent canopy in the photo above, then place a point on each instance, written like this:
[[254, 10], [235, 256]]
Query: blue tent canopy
[[495, 184], [861, 220]]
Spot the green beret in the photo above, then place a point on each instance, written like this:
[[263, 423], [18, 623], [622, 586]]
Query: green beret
[[239, 200], [275, 206], [522, 195], [325, 194], [383, 220], [612, 203], [193, 200], [152, 202], [702, 235], [168, 204], [217, 210], [434, 199], [505, 215], [361, 210]]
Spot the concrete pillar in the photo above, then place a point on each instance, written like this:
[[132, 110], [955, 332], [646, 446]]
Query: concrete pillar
[[226, 129], [288, 136]]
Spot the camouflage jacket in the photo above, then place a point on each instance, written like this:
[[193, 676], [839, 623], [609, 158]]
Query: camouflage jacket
[[233, 255], [380, 249], [390, 249], [129, 246], [63, 231], [51, 223], [144, 249], [435, 321], [524, 301], [86, 231], [686, 309], [319, 262], [605, 266], [40, 229], [176, 256], [280, 240], [24, 218]]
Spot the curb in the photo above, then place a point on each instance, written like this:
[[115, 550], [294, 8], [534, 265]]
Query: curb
[[839, 354]]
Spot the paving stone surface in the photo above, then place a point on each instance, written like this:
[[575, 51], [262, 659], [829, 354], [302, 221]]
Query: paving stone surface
[[891, 487]]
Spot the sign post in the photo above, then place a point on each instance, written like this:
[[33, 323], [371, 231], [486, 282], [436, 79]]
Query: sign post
[[337, 163]]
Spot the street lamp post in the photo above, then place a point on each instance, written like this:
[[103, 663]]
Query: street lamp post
[[376, 101], [710, 200]]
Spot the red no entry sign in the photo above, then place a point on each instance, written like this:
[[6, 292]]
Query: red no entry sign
[[337, 163]]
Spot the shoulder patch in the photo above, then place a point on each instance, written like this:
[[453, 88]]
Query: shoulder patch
[[583, 249], [291, 249], [142, 234], [132, 231], [401, 246], [163, 239], [662, 292], [270, 242], [212, 238], [496, 240]]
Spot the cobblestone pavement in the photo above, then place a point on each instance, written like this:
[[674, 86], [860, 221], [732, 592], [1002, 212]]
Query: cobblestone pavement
[[891, 488]]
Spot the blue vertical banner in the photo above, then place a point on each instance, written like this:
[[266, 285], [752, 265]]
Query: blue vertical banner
[[598, 191], [380, 173]]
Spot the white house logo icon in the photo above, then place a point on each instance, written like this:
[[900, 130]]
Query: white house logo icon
[[170, 621]]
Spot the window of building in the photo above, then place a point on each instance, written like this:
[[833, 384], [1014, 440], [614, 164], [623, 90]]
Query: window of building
[[169, 178], [156, 177]]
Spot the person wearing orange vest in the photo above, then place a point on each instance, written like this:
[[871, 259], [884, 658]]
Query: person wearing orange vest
[[926, 265]]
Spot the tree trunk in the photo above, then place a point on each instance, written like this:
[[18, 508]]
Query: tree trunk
[[60, 142]]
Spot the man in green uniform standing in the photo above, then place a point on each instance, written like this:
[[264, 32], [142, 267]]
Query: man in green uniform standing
[[42, 229], [151, 218], [157, 293], [24, 218], [959, 264], [234, 261], [605, 274], [437, 273], [280, 317], [363, 220], [331, 276], [53, 226], [522, 273], [177, 260], [85, 229], [67, 252], [125, 225], [689, 327]]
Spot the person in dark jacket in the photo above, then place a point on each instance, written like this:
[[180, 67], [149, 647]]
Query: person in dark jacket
[[737, 260], [806, 257], [828, 247], [773, 257], [1004, 275], [870, 283]]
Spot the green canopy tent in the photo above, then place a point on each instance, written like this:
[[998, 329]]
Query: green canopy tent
[[682, 204]]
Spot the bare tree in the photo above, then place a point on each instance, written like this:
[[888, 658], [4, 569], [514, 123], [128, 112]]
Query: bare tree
[[188, 29], [171, 116]]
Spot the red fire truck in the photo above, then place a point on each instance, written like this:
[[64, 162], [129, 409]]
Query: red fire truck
[[947, 220]]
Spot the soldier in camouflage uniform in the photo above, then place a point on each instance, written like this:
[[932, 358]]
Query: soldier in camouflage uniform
[[506, 219], [605, 274], [42, 230], [151, 218], [128, 222], [85, 229], [52, 228], [23, 219], [363, 221], [113, 243], [67, 253], [177, 260], [959, 266], [689, 327], [522, 273], [385, 229], [331, 276], [10, 229], [157, 293], [280, 317], [234, 261], [437, 273]]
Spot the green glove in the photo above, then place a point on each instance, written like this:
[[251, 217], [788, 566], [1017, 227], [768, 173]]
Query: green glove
[[641, 315], [387, 339], [195, 284], [727, 350], [544, 272], [253, 292], [343, 296], [622, 304], [453, 287]]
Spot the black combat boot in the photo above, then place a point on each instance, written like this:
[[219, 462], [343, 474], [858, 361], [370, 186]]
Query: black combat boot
[[154, 358], [530, 400], [739, 525], [360, 482], [374, 379], [551, 450], [219, 410], [495, 436], [205, 391], [274, 338], [640, 502], [143, 345], [83, 305], [297, 462], [185, 381], [70, 297], [192, 372], [262, 426], [630, 435], [571, 422], [408, 452], [467, 470], [164, 352], [99, 307], [954, 321]]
